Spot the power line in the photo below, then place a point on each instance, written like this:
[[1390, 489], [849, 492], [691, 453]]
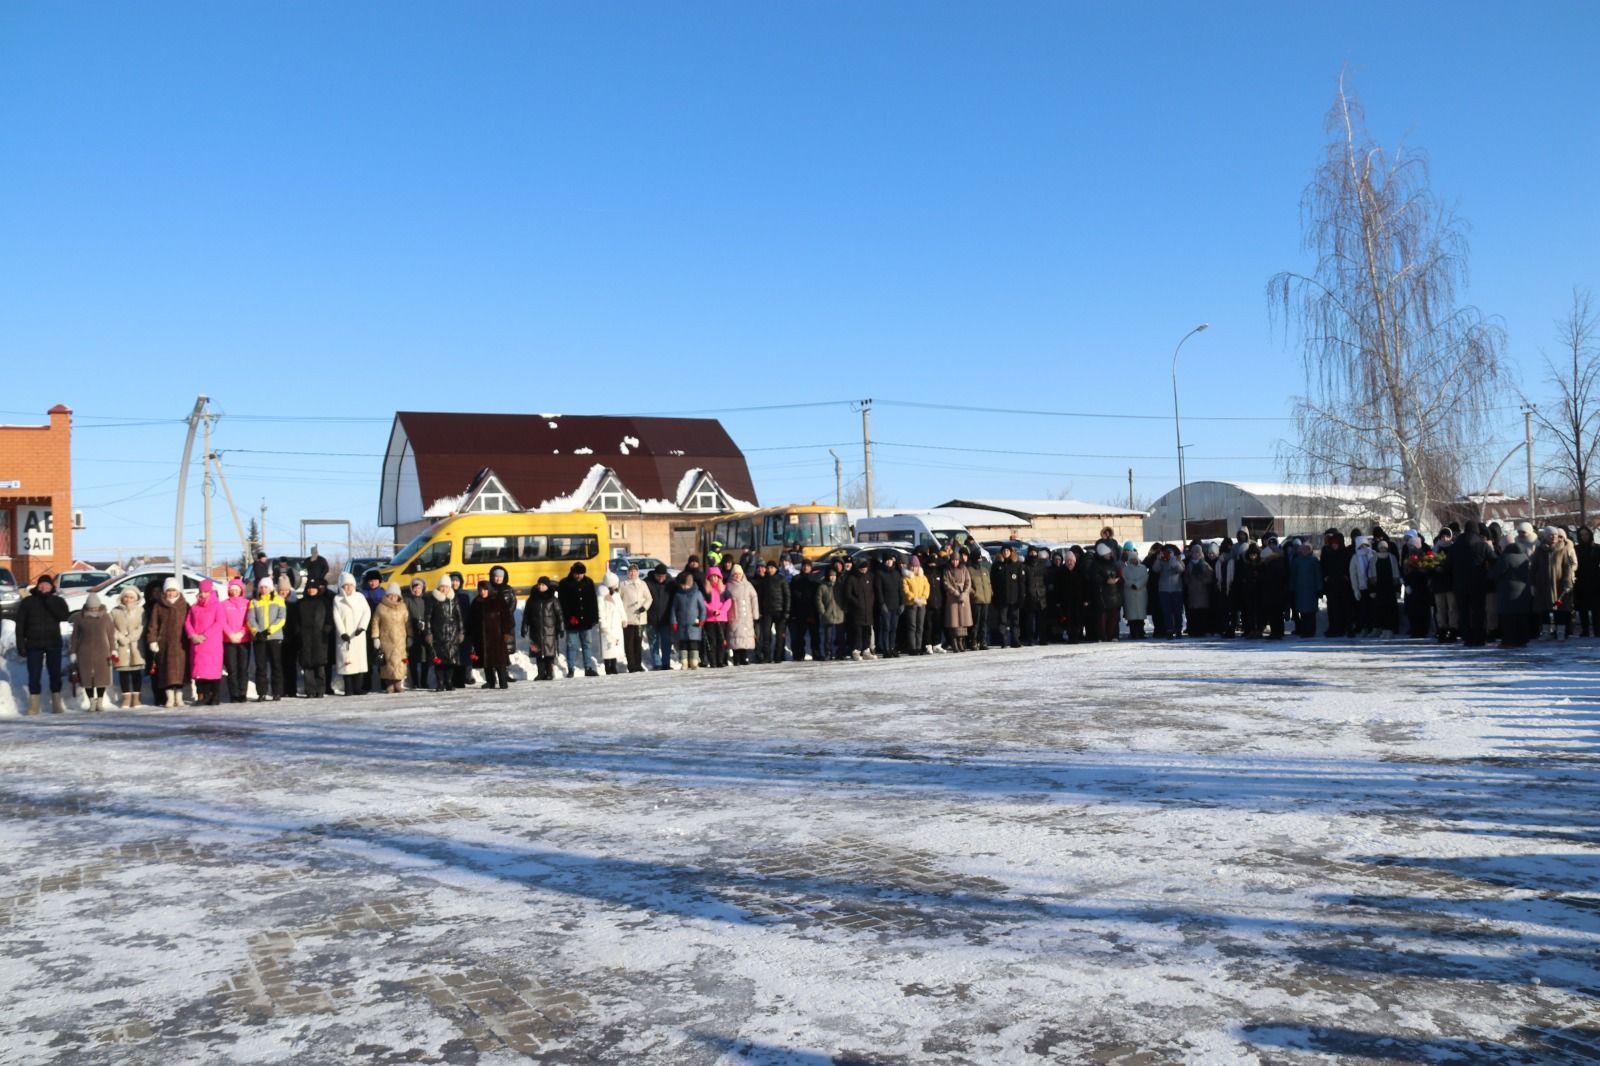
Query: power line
[[1062, 455], [1078, 414]]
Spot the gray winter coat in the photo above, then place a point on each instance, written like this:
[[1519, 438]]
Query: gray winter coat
[[1135, 591]]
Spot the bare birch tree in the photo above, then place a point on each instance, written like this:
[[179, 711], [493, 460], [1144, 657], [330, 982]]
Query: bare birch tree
[[1568, 425], [1399, 376]]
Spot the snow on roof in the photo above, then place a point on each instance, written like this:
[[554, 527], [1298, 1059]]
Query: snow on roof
[[686, 482], [578, 498], [1043, 508], [444, 506], [1304, 490]]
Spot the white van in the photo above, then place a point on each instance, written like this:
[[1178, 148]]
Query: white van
[[917, 528]]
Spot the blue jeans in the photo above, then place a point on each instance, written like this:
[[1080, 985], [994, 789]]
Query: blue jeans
[[40, 659], [888, 628], [580, 640], [661, 645], [829, 640]]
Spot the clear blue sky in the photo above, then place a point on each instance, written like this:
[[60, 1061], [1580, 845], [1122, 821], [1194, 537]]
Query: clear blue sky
[[333, 211]]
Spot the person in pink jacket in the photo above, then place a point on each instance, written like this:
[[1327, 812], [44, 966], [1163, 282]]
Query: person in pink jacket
[[236, 641], [204, 628], [718, 609]]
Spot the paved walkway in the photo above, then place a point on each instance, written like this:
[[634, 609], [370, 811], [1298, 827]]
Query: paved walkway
[[1134, 855]]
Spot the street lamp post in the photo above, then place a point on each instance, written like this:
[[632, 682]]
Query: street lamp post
[[1177, 426]]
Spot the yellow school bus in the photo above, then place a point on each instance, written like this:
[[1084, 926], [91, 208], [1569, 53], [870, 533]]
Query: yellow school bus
[[529, 544], [807, 528]]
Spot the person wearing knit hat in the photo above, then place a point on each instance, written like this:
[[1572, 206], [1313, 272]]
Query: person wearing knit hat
[[311, 618], [266, 619]]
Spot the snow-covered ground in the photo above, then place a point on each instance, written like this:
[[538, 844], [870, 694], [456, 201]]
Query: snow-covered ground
[[1140, 854]]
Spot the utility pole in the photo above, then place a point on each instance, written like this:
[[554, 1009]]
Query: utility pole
[[262, 531], [1527, 429], [183, 484], [866, 449], [205, 548], [227, 493], [1130, 488], [838, 480]]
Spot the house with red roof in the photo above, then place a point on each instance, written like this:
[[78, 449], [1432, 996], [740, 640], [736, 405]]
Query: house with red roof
[[651, 477]]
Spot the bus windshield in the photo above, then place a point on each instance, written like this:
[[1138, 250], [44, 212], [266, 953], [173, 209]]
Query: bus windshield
[[835, 528], [404, 555]]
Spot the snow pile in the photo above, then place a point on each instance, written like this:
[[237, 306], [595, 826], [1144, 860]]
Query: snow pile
[[627, 443], [583, 451]]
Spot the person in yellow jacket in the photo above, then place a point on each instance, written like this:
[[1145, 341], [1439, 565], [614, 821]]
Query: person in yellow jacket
[[915, 584], [266, 619]]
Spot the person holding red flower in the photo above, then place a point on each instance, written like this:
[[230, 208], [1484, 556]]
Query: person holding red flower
[[580, 607], [443, 632]]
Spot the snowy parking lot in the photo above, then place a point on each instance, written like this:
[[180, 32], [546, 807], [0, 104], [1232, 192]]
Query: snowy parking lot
[[1138, 854]]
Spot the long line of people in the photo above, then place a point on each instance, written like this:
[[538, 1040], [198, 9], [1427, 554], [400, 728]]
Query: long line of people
[[1471, 584]]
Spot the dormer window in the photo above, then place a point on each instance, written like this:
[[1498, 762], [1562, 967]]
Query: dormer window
[[610, 497], [704, 496]]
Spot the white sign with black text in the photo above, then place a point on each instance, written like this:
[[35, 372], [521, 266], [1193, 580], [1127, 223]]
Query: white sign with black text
[[35, 531]]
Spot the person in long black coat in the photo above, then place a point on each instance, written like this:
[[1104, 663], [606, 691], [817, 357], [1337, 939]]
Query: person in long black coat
[[1249, 581], [492, 626], [1105, 580], [541, 624], [889, 592], [1336, 556], [1071, 592], [1274, 589], [1470, 557], [803, 613], [1586, 592], [1035, 597], [1010, 586], [313, 623], [444, 634], [860, 604], [1512, 574]]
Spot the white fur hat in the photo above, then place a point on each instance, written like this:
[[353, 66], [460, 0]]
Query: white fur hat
[[170, 585]]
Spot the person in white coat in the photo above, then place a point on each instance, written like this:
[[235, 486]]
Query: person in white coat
[[636, 600], [611, 625], [352, 618], [1363, 563]]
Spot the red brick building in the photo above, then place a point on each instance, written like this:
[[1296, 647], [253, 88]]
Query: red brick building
[[36, 496]]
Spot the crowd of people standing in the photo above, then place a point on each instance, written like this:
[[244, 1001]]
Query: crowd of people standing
[[1469, 584]]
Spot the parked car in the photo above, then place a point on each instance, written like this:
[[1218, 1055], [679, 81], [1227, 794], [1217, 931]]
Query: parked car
[[110, 591], [68, 580], [645, 563], [878, 552], [10, 594], [361, 565]]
